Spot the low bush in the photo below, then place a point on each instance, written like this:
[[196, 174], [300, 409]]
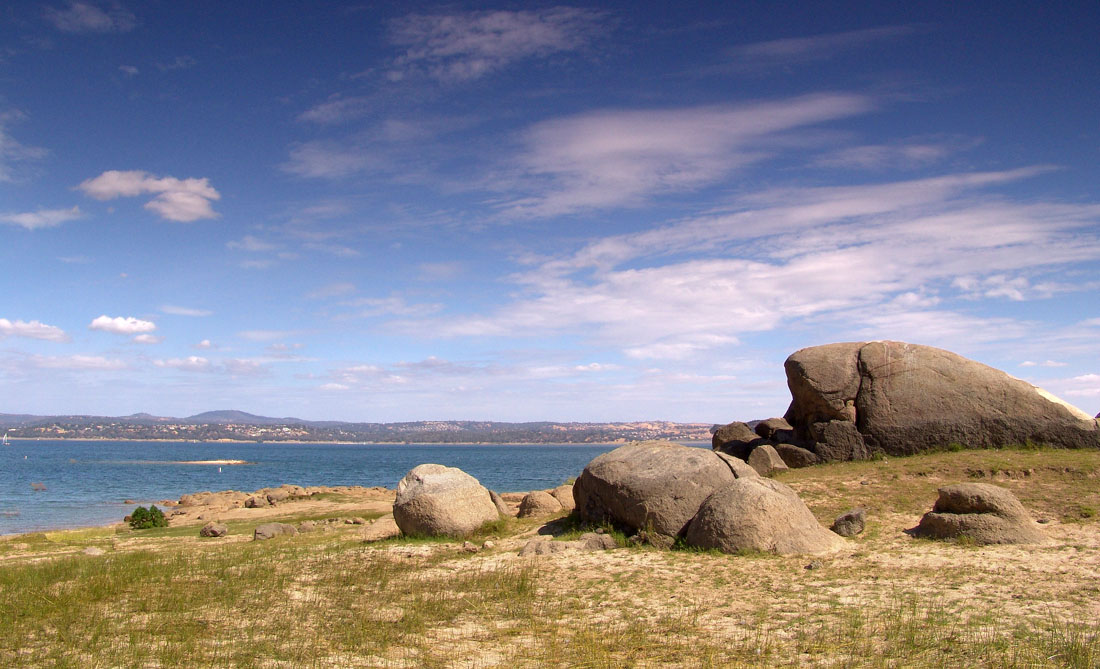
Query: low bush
[[143, 519]]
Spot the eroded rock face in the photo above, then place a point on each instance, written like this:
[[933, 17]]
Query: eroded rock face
[[435, 500], [986, 514], [759, 514], [653, 485], [213, 529], [904, 398]]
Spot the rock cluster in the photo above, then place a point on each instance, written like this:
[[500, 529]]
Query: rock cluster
[[853, 400], [710, 500]]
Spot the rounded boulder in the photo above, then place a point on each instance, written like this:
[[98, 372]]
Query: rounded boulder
[[654, 485], [435, 500], [759, 514]]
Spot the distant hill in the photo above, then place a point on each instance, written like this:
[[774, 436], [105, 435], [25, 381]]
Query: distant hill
[[226, 416], [243, 426]]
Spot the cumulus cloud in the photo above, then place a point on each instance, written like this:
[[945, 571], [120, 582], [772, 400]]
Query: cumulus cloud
[[31, 330], [205, 344], [625, 158], [122, 325], [43, 218], [466, 46], [148, 339], [182, 200], [84, 17]]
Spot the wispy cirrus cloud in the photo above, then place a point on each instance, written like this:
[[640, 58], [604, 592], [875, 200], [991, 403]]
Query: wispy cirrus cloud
[[42, 218], [182, 200], [32, 330], [86, 17], [897, 260], [460, 47], [626, 158], [773, 53]]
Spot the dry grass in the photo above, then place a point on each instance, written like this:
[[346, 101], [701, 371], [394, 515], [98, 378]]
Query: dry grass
[[331, 600]]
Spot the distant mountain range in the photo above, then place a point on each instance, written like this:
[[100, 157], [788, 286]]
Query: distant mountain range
[[243, 426]]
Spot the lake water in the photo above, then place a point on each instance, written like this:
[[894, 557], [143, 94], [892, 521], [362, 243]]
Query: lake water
[[86, 482]]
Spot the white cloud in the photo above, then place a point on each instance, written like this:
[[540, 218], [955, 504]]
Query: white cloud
[[625, 158], [192, 363], [32, 330], [129, 70], [205, 344], [43, 218], [184, 311], [463, 47], [121, 325], [79, 362], [84, 17], [183, 200], [148, 339], [333, 386]]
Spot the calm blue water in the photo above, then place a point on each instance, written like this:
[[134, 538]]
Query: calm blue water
[[86, 482]]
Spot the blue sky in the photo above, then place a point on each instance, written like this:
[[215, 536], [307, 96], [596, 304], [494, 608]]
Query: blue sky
[[531, 211]]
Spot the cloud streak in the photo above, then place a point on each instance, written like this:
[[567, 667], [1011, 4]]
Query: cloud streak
[[626, 158]]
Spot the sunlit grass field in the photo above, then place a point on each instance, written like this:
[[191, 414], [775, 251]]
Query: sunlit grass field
[[166, 598]]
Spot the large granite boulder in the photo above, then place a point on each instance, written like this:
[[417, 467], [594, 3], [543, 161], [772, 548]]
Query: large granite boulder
[[434, 500], [654, 485], [904, 398], [984, 513], [759, 514]]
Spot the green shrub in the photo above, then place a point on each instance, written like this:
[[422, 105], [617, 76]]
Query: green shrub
[[142, 518]]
